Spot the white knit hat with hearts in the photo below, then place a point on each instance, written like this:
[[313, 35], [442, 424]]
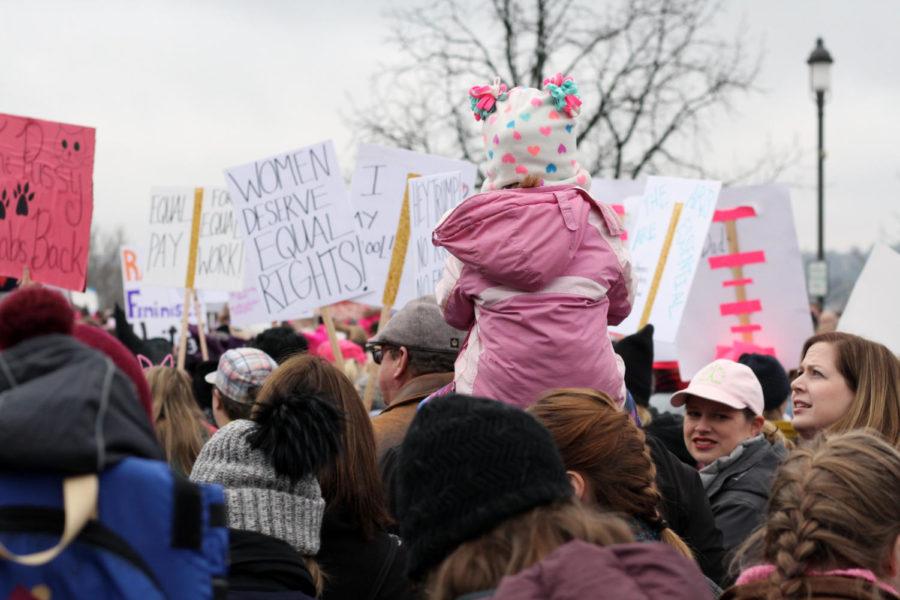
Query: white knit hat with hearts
[[530, 131]]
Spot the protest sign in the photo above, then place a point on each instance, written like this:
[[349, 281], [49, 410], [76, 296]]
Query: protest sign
[[219, 263], [304, 249], [155, 311], [377, 189], [622, 195], [748, 293], [246, 309], [46, 200], [671, 222], [872, 310], [430, 198]]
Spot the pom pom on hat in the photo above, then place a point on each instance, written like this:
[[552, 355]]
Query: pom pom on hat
[[483, 98], [34, 311]]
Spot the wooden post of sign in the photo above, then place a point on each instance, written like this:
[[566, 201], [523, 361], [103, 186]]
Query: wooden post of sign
[[392, 285], [25, 280], [189, 276], [201, 326], [332, 337], [737, 273], [661, 264]]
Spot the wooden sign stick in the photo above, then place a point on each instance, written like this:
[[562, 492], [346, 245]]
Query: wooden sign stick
[[332, 337], [189, 276], [392, 285], [737, 273], [201, 326], [661, 264]]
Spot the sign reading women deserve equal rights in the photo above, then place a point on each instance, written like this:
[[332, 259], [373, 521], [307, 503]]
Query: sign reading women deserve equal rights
[[301, 239]]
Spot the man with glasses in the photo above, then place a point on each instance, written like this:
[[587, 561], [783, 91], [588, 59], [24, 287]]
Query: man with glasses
[[416, 351]]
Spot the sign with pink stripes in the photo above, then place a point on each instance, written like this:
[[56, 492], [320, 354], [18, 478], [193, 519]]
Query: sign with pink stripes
[[748, 294]]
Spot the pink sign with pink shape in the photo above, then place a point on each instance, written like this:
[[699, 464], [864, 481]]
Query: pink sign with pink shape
[[46, 200]]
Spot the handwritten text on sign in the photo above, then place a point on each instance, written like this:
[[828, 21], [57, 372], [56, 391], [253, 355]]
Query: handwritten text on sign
[[379, 183], [220, 247], [46, 200], [429, 199], [652, 219], [303, 248]]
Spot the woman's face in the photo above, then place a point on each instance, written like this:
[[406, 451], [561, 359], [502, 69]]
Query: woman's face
[[712, 430], [820, 393]]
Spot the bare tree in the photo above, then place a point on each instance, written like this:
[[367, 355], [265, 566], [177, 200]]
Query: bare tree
[[648, 70], [104, 268]]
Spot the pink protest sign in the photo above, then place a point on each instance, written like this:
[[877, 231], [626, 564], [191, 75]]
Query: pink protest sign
[[46, 200]]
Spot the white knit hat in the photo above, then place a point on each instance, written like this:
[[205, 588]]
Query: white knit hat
[[530, 131]]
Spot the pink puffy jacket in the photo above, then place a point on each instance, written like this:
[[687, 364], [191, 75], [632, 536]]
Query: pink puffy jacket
[[535, 275]]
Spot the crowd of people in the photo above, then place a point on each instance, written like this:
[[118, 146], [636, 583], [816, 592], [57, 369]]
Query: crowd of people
[[516, 454]]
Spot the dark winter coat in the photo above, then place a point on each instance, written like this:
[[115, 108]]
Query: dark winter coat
[[262, 566], [582, 570], [67, 408], [360, 569], [687, 509], [740, 491]]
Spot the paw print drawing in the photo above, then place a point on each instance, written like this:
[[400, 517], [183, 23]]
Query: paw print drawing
[[24, 199], [4, 204]]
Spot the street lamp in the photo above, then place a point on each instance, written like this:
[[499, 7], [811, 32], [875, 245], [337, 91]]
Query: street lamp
[[819, 62]]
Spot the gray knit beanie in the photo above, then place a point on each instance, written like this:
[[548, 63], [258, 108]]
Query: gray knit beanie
[[258, 498]]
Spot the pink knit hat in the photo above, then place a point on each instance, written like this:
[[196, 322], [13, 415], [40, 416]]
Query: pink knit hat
[[530, 131]]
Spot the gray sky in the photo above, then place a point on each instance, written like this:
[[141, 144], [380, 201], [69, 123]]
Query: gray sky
[[180, 90]]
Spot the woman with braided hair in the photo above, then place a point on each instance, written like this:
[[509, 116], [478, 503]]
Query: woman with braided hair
[[833, 526], [610, 466]]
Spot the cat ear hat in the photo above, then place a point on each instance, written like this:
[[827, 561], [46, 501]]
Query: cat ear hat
[[529, 131]]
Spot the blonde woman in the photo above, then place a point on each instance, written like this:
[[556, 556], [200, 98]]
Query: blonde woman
[[180, 426], [847, 382], [833, 526]]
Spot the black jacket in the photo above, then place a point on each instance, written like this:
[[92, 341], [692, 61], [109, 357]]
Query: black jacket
[[262, 566], [740, 491], [360, 569], [67, 408], [687, 509]]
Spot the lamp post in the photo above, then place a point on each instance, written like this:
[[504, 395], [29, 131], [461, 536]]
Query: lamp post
[[820, 62]]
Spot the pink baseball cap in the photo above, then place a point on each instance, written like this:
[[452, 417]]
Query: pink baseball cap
[[726, 382]]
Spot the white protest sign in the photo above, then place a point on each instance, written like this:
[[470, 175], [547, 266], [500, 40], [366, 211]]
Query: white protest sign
[[246, 309], [155, 311], [429, 199], [871, 311], [670, 226], [623, 195], [220, 247], [748, 294], [302, 244], [379, 183]]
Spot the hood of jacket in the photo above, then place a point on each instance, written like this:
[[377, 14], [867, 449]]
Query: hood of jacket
[[522, 238], [636, 571], [67, 408]]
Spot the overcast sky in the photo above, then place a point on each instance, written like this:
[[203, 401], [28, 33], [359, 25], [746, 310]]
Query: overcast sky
[[178, 90]]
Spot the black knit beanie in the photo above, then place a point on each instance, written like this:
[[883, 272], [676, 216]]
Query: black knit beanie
[[772, 377], [637, 352], [466, 465]]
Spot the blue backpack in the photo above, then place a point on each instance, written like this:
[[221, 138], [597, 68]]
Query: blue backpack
[[137, 530]]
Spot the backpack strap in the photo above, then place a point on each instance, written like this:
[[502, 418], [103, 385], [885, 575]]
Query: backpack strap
[[79, 505]]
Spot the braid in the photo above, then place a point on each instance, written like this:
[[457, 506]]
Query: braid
[[790, 540]]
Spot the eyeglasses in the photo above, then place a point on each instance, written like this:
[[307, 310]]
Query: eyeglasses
[[378, 349]]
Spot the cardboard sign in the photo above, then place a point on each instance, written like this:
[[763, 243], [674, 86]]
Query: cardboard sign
[[671, 222], [748, 293], [379, 183], [303, 246], [623, 195], [152, 310], [430, 198], [871, 311], [46, 200], [220, 246]]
